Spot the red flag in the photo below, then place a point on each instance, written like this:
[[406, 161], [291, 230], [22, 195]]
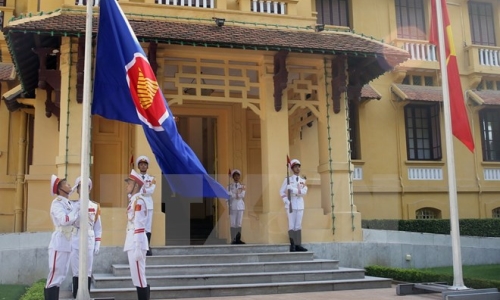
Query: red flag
[[288, 161], [459, 120]]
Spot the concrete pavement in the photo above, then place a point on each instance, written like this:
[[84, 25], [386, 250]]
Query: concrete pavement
[[368, 294]]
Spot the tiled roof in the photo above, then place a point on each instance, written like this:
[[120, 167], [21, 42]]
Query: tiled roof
[[375, 57], [417, 92], [486, 97], [237, 36], [368, 92]]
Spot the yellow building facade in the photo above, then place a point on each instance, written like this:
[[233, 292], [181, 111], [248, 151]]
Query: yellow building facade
[[308, 79]]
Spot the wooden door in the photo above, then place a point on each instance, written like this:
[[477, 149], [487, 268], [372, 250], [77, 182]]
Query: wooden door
[[111, 154]]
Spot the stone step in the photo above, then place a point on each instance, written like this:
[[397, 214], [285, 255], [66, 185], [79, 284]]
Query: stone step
[[225, 268], [220, 249], [102, 281], [243, 289], [228, 258]]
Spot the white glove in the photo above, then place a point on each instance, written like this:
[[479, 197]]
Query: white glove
[[97, 245], [289, 187], [139, 254]]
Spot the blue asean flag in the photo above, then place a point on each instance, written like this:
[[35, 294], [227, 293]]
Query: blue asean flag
[[126, 89]]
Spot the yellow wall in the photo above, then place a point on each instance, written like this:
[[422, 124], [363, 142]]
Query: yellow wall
[[256, 139]]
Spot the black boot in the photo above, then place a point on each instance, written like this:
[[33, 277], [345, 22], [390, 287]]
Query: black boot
[[149, 252], [142, 293], [75, 286], [89, 282], [238, 237], [234, 231], [292, 243], [148, 289], [51, 293], [298, 245]]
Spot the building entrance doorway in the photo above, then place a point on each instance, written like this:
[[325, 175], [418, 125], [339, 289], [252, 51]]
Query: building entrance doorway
[[192, 221]]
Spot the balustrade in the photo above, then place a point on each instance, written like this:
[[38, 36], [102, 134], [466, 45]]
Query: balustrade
[[421, 51], [270, 7]]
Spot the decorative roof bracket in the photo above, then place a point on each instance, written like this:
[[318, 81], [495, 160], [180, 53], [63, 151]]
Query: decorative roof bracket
[[49, 80], [80, 66], [356, 79], [355, 85], [152, 56], [280, 77], [51, 108], [339, 80]]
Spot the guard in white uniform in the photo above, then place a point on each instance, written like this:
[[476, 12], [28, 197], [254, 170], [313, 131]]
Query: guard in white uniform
[[298, 189], [147, 194], [64, 215], [93, 235], [236, 206], [136, 243]]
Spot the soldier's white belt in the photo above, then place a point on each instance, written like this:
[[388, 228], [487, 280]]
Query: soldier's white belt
[[67, 231]]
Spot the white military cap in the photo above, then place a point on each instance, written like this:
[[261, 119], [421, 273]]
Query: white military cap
[[235, 171], [136, 177], [142, 158], [54, 182], [294, 162], [78, 180]]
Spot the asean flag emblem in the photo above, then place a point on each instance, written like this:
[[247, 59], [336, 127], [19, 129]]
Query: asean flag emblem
[[146, 93]]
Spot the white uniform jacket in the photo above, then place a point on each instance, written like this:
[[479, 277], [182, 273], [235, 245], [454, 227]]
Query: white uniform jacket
[[95, 227], [298, 191], [237, 195], [148, 189], [64, 214], [137, 215]]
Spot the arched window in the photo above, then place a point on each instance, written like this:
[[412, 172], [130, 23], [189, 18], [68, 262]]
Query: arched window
[[428, 213], [496, 213]]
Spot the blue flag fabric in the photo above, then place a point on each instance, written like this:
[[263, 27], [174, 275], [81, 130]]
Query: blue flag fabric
[[126, 89]]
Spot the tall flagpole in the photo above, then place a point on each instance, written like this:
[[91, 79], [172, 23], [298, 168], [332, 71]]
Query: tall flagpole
[[458, 282], [83, 291]]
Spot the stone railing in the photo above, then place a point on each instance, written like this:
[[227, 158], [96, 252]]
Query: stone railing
[[261, 6], [84, 2], [423, 55], [189, 3], [265, 8], [270, 7], [421, 50], [489, 57], [483, 59]]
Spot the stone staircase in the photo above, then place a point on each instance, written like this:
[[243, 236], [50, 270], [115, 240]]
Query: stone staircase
[[232, 270]]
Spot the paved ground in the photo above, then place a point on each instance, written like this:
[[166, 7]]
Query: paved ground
[[369, 294]]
